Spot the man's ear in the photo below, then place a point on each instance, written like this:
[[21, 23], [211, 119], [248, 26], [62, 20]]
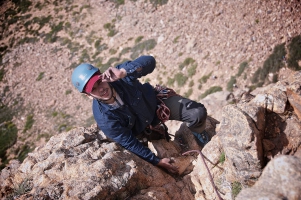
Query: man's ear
[[89, 96]]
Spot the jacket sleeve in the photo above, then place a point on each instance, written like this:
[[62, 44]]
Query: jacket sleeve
[[144, 64], [124, 136]]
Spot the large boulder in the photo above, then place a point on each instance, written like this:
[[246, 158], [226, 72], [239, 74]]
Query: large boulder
[[281, 179]]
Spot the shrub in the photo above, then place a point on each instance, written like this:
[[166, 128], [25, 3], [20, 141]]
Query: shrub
[[222, 158], [271, 65], [140, 47], [294, 53], [125, 51], [25, 186], [176, 39], [8, 135], [111, 28], [138, 39], [242, 68], [22, 5], [41, 75], [188, 93], [205, 78], [68, 92], [112, 51], [158, 2], [186, 62], [211, 90], [23, 152], [2, 73], [192, 70], [274, 62], [181, 79], [231, 83], [170, 81], [236, 188], [29, 122], [117, 2]]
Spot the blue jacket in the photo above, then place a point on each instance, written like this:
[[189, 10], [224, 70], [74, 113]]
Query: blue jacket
[[123, 124]]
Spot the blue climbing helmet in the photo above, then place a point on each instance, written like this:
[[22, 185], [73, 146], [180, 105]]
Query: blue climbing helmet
[[82, 74]]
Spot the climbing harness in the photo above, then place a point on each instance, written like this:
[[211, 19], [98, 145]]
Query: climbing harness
[[163, 112], [210, 176]]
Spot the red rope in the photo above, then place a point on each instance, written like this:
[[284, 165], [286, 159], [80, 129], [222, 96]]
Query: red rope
[[210, 176]]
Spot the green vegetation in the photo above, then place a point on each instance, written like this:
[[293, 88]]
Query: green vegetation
[[89, 38], [211, 90], [222, 158], [41, 75], [23, 152], [117, 2], [84, 7], [271, 65], [24, 187], [52, 35], [170, 81], [8, 130], [68, 92], [111, 28], [111, 62], [176, 39], [157, 3], [22, 5], [188, 93], [192, 70], [231, 83], [242, 68], [43, 135], [8, 135], [139, 48], [42, 21], [2, 73], [138, 39], [125, 51], [204, 78], [191, 83], [236, 188], [181, 79], [29, 122], [112, 51], [186, 62], [294, 53]]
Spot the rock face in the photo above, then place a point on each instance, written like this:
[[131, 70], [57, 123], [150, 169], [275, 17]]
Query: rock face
[[281, 179], [252, 147]]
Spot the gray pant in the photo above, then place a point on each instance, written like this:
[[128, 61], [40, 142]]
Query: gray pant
[[194, 114]]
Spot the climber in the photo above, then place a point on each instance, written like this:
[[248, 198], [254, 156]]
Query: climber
[[124, 108]]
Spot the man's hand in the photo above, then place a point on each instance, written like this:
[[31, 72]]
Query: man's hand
[[166, 164], [113, 74]]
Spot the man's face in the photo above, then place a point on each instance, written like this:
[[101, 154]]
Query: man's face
[[101, 90]]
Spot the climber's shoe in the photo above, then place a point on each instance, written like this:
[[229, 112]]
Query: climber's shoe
[[202, 138]]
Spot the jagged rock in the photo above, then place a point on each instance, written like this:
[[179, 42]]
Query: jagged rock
[[274, 100], [74, 165], [242, 143], [257, 114], [294, 92], [200, 176], [281, 179]]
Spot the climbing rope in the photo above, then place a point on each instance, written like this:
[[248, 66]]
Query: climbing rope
[[210, 176]]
